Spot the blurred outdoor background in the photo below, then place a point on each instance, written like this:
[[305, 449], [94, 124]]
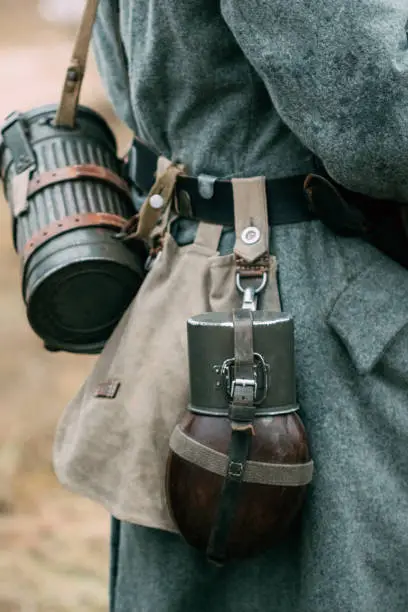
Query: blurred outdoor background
[[53, 545]]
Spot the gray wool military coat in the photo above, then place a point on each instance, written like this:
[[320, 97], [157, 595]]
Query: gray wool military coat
[[256, 87]]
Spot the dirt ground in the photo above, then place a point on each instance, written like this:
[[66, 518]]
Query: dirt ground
[[53, 545]]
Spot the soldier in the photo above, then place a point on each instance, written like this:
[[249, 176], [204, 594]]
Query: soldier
[[242, 89]]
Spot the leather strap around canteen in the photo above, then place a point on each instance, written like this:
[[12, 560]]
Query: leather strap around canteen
[[252, 260], [241, 435]]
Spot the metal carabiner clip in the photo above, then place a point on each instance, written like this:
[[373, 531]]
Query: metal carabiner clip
[[251, 292]]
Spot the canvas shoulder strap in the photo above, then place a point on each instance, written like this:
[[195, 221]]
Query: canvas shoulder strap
[[75, 73]]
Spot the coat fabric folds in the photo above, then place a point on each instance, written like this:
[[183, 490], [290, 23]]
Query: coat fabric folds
[[260, 87]]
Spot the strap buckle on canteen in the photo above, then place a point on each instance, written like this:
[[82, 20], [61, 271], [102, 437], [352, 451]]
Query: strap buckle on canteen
[[244, 390], [238, 388]]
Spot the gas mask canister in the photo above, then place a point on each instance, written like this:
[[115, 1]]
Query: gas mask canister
[[69, 199]]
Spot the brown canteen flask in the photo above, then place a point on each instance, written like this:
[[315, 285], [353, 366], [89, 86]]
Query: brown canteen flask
[[239, 460]]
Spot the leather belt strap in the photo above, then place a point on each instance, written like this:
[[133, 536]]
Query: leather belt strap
[[69, 223], [382, 223], [212, 200], [71, 173]]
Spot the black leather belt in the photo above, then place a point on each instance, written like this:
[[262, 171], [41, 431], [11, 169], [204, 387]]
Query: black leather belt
[[382, 223], [211, 200]]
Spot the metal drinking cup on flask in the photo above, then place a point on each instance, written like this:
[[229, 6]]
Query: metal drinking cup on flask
[[69, 199]]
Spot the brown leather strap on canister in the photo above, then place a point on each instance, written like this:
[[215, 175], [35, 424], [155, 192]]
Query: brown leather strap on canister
[[76, 70], [77, 172], [69, 223]]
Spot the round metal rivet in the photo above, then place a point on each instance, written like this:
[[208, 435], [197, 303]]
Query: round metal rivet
[[156, 201], [250, 235]]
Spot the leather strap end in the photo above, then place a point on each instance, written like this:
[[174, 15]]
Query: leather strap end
[[164, 187], [251, 218]]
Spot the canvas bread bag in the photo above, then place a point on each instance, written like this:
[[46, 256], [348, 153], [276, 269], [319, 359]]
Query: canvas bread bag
[[112, 440]]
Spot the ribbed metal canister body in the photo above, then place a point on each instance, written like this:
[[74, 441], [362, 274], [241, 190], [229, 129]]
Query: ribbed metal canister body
[[77, 284], [91, 142]]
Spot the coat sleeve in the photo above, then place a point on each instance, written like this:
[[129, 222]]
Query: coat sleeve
[[111, 60], [337, 73]]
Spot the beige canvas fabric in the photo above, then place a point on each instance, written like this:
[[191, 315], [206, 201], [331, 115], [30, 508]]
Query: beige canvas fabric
[[112, 441]]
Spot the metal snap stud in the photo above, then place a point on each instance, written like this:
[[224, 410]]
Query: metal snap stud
[[250, 235], [156, 201]]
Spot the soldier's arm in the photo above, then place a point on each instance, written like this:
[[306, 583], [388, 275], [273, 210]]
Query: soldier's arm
[[337, 73], [111, 60]]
